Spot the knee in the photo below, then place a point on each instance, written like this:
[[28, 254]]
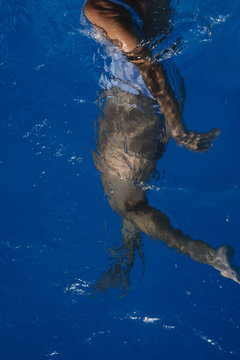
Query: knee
[[90, 10], [94, 8]]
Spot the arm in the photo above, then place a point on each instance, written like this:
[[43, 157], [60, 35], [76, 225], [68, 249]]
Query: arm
[[116, 24]]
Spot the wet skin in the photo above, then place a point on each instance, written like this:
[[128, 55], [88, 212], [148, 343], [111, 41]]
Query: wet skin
[[124, 193]]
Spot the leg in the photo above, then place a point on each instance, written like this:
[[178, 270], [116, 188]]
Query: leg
[[118, 276], [114, 21], [157, 225], [129, 134]]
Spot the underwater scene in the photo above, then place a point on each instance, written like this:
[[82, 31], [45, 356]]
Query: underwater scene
[[119, 179]]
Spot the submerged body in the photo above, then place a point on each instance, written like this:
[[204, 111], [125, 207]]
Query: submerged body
[[134, 129]]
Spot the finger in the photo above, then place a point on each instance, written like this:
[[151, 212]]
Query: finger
[[216, 131], [200, 146], [212, 134], [204, 147], [205, 142], [207, 138]]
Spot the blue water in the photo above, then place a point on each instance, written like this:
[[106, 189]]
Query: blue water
[[56, 225]]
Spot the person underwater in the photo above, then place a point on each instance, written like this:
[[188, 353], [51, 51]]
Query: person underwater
[[140, 110]]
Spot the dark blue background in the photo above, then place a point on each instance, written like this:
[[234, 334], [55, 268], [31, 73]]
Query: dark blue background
[[56, 226]]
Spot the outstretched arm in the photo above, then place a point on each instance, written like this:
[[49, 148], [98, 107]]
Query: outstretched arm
[[117, 25]]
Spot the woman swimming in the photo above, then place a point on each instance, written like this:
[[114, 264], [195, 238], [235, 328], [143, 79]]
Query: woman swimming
[[140, 111]]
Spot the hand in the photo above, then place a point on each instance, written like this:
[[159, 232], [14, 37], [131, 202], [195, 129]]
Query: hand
[[195, 141]]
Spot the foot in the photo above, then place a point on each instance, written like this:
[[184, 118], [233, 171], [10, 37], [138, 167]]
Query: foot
[[222, 263]]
